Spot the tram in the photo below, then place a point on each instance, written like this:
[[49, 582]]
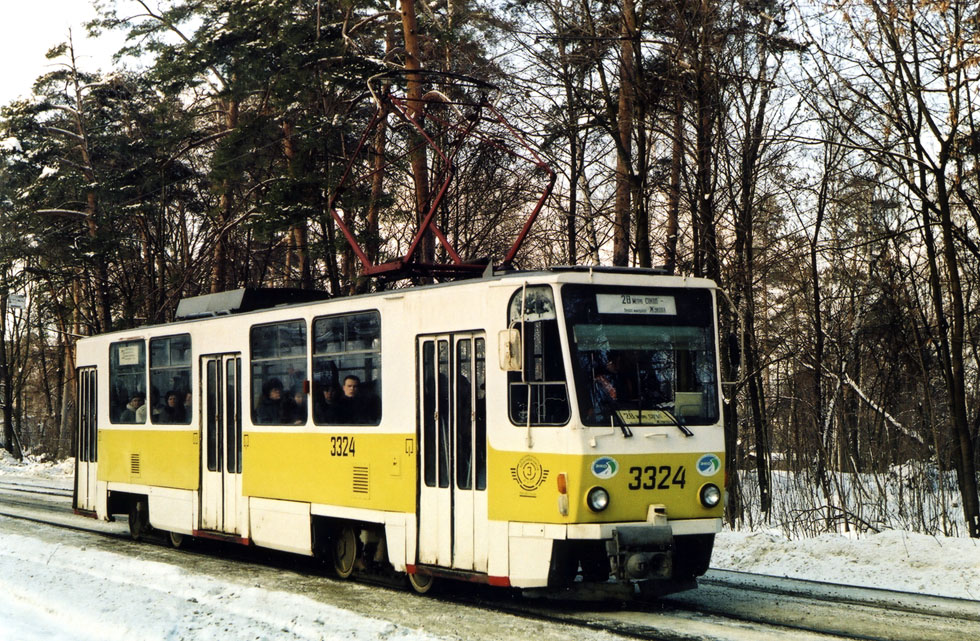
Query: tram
[[538, 430]]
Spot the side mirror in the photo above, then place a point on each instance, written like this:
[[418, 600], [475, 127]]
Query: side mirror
[[510, 351]]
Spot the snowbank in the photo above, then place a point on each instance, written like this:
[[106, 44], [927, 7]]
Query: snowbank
[[33, 467], [895, 560]]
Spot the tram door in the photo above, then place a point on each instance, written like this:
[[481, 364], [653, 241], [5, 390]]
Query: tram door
[[453, 460], [86, 461], [221, 443]]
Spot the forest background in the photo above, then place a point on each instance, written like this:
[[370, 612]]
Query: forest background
[[818, 159]]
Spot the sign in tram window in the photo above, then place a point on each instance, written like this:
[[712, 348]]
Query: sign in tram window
[[347, 369], [279, 373], [127, 382], [170, 379], [539, 394]]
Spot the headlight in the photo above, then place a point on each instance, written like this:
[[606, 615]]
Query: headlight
[[598, 499], [710, 495]]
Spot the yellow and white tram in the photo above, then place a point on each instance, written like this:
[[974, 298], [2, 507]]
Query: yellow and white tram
[[521, 429]]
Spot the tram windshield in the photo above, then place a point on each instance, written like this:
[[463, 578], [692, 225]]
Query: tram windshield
[[642, 356]]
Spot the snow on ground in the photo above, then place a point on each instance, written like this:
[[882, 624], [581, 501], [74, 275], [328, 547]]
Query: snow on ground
[[67, 592], [70, 591], [33, 468], [893, 559]]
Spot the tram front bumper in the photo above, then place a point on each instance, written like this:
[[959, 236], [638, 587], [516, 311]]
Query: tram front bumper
[[638, 552]]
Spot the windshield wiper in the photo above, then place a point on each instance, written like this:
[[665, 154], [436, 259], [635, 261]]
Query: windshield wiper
[[627, 432], [676, 423]]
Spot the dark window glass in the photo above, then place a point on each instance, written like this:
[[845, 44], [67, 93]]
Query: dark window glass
[[170, 379], [642, 355], [238, 412], [213, 426], [347, 369], [429, 412], [539, 394], [87, 416], [481, 414], [279, 373], [127, 382], [464, 415], [444, 416], [233, 419]]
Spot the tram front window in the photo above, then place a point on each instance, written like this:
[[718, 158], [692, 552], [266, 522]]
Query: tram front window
[[642, 356]]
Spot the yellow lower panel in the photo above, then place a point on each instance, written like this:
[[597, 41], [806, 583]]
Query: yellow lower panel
[[524, 486], [150, 457], [372, 471]]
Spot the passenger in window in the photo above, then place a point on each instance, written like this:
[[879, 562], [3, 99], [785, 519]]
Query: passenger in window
[[188, 397], [153, 406], [294, 407], [608, 389], [328, 407], [270, 407], [135, 404], [359, 408], [173, 410], [353, 403]]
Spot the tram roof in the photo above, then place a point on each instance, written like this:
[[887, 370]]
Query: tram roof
[[249, 300]]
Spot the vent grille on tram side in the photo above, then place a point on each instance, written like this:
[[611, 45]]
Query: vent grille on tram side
[[360, 480], [134, 464]]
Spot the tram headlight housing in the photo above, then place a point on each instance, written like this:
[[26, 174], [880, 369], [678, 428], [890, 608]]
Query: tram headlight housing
[[597, 499], [710, 495]]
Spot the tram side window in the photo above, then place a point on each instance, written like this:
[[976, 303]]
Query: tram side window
[[347, 369], [539, 394], [127, 382], [279, 373], [170, 379]]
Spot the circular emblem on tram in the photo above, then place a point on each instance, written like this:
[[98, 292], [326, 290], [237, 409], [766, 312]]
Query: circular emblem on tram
[[605, 467], [708, 465], [529, 474]]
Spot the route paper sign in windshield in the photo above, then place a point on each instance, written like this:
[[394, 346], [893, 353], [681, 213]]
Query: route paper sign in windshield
[[635, 304]]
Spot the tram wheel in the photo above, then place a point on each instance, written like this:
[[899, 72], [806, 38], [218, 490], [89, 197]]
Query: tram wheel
[[176, 540], [139, 519], [345, 552], [421, 583]]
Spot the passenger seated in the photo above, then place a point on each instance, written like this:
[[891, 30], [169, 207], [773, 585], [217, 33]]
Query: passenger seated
[[294, 408], [270, 406], [360, 409], [134, 409], [328, 407], [173, 409]]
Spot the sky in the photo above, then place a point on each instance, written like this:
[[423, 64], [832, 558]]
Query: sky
[[29, 28]]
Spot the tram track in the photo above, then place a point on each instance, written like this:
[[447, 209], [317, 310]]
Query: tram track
[[30, 488], [727, 605], [892, 600]]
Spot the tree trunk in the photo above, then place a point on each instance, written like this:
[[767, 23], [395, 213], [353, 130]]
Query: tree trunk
[[297, 261], [624, 143], [416, 108], [219, 266], [674, 190], [956, 378]]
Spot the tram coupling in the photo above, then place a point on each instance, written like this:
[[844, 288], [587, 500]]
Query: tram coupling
[[638, 552]]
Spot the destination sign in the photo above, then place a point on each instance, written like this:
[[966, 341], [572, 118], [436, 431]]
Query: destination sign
[[636, 304]]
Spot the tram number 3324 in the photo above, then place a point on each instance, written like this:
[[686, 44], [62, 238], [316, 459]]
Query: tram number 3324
[[652, 477], [341, 446]]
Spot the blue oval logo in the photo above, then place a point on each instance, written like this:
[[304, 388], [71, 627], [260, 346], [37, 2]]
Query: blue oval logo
[[605, 467], [708, 465]]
